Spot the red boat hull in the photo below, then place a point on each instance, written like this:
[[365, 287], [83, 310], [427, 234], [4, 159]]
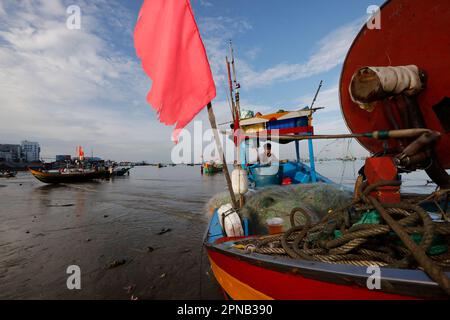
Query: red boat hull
[[243, 280]]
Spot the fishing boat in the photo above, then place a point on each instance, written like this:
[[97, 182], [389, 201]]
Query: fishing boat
[[249, 129], [121, 171], [8, 174], [384, 244], [116, 171], [70, 176], [247, 275], [211, 167]]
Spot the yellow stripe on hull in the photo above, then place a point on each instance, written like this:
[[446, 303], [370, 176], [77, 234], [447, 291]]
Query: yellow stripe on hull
[[235, 288]]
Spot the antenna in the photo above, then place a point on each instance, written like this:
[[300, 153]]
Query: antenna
[[230, 85], [236, 84], [315, 96]]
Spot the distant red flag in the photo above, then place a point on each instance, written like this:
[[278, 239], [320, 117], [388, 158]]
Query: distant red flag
[[80, 153], [167, 41]]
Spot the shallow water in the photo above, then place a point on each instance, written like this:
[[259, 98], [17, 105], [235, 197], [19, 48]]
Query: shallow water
[[46, 228]]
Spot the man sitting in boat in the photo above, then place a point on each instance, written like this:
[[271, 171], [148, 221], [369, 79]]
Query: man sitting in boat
[[267, 157]]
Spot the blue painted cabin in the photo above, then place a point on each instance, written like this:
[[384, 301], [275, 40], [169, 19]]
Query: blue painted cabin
[[281, 123]]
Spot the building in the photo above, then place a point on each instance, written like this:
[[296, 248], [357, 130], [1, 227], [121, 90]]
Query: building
[[63, 158], [10, 152], [30, 151]]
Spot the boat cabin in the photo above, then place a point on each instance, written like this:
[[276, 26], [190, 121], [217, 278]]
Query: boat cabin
[[262, 127]]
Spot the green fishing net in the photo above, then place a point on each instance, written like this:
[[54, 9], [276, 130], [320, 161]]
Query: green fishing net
[[278, 201]]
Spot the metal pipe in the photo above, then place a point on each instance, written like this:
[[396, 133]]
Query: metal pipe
[[435, 171], [381, 135]]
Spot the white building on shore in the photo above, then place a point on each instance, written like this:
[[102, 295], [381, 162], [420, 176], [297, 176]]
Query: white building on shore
[[30, 151]]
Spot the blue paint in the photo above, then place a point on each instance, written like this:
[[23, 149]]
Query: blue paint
[[246, 222], [298, 172], [215, 230], [287, 123], [263, 176]]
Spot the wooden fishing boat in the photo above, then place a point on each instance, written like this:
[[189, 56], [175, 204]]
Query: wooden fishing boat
[[70, 177], [8, 174], [283, 266], [260, 276], [211, 168]]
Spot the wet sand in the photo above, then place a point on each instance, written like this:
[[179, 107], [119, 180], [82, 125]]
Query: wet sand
[[46, 228]]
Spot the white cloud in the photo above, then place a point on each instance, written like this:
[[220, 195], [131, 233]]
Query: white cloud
[[69, 87], [328, 98], [253, 53], [331, 51]]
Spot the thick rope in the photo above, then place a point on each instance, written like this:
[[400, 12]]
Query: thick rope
[[363, 244]]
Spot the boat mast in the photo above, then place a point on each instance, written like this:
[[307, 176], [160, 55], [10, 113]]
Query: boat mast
[[230, 86], [312, 163], [315, 97], [237, 107], [234, 88], [236, 84]]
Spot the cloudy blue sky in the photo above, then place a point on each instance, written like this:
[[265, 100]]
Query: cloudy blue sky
[[85, 87]]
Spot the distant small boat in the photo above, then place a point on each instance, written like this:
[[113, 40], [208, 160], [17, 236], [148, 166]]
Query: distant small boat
[[121, 171], [70, 177], [160, 165], [8, 174], [211, 168]]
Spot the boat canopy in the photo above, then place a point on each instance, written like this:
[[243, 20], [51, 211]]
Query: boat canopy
[[270, 126], [285, 122]]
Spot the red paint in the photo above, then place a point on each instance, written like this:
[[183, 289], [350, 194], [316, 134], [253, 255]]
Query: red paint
[[226, 239], [284, 286], [412, 32], [382, 168], [268, 133]]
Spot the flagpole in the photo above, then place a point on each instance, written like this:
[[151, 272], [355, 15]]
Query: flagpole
[[212, 120]]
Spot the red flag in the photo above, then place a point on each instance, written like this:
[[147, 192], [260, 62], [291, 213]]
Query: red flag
[[80, 153], [168, 42]]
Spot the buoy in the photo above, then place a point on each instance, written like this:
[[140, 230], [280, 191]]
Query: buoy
[[230, 221], [239, 181]]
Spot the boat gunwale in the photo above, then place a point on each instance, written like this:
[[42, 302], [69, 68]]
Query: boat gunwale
[[337, 273], [52, 174], [56, 177]]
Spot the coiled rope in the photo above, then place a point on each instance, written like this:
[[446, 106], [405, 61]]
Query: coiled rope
[[387, 244]]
